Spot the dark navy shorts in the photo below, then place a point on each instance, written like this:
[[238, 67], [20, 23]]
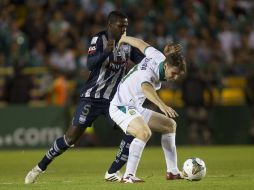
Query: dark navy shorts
[[88, 109]]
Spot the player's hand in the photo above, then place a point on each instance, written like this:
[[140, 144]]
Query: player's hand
[[172, 48], [168, 111], [122, 39], [111, 45]]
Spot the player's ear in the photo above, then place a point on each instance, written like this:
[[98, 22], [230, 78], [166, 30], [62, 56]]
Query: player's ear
[[109, 24]]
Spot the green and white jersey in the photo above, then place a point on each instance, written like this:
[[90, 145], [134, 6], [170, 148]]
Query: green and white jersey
[[150, 70]]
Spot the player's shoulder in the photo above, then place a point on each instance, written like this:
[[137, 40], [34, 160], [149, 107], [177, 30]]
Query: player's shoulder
[[101, 33], [151, 49], [97, 36], [155, 54]]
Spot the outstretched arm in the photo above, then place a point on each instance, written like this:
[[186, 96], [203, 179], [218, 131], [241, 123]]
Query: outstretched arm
[[135, 42]]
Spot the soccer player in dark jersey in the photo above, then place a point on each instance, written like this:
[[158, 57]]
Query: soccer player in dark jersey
[[107, 64]]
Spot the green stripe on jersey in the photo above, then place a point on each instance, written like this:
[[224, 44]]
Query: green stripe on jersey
[[122, 108], [162, 71]]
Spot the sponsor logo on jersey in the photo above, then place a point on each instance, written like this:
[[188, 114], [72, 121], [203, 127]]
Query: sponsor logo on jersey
[[92, 50], [115, 66]]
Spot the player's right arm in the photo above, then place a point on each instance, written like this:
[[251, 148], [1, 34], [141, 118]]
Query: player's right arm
[[143, 47], [96, 54], [151, 94], [135, 42]]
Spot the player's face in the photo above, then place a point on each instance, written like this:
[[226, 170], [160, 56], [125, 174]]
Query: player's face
[[172, 73], [118, 28]]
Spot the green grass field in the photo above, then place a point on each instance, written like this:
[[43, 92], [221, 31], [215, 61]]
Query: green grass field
[[228, 168]]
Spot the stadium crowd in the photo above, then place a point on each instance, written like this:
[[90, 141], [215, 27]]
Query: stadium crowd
[[43, 43]]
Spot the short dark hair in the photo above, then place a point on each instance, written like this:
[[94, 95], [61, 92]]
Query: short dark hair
[[114, 16]]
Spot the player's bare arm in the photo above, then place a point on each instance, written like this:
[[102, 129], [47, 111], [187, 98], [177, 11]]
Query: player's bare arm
[[135, 42], [152, 95]]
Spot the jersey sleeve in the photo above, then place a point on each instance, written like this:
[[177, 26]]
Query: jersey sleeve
[[136, 55], [96, 54], [155, 54]]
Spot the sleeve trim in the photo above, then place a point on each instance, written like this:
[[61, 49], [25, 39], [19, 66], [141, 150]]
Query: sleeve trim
[[147, 83], [146, 49]]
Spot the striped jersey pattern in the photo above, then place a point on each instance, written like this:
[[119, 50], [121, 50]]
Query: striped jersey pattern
[[107, 68]]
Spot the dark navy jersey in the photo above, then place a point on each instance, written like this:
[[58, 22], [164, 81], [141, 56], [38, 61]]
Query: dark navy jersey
[[107, 68]]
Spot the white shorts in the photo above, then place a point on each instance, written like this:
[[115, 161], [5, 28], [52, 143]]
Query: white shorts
[[123, 115]]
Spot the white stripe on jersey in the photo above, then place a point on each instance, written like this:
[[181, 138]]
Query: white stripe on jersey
[[104, 41], [99, 80], [102, 82], [87, 94], [113, 83]]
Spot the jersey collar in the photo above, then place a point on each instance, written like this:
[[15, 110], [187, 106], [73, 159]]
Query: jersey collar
[[162, 71]]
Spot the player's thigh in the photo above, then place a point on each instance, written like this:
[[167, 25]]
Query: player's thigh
[[129, 120], [139, 128], [86, 112], [160, 123]]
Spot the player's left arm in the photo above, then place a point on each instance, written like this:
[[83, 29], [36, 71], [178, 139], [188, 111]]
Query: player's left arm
[[151, 94]]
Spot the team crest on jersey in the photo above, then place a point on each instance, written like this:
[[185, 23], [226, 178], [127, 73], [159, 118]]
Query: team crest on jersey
[[132, 111], [82, 119], [126, 48]]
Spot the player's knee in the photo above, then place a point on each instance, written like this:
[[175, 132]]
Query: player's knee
[[173, 125], [170, 126], [147, 134], [70, 140], [144, 134], [72, 134]]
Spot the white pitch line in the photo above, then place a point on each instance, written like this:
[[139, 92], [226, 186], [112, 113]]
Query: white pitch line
[[68, 181]]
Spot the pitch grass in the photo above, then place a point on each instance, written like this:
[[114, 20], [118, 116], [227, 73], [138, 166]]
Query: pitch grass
[[228, 168]]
